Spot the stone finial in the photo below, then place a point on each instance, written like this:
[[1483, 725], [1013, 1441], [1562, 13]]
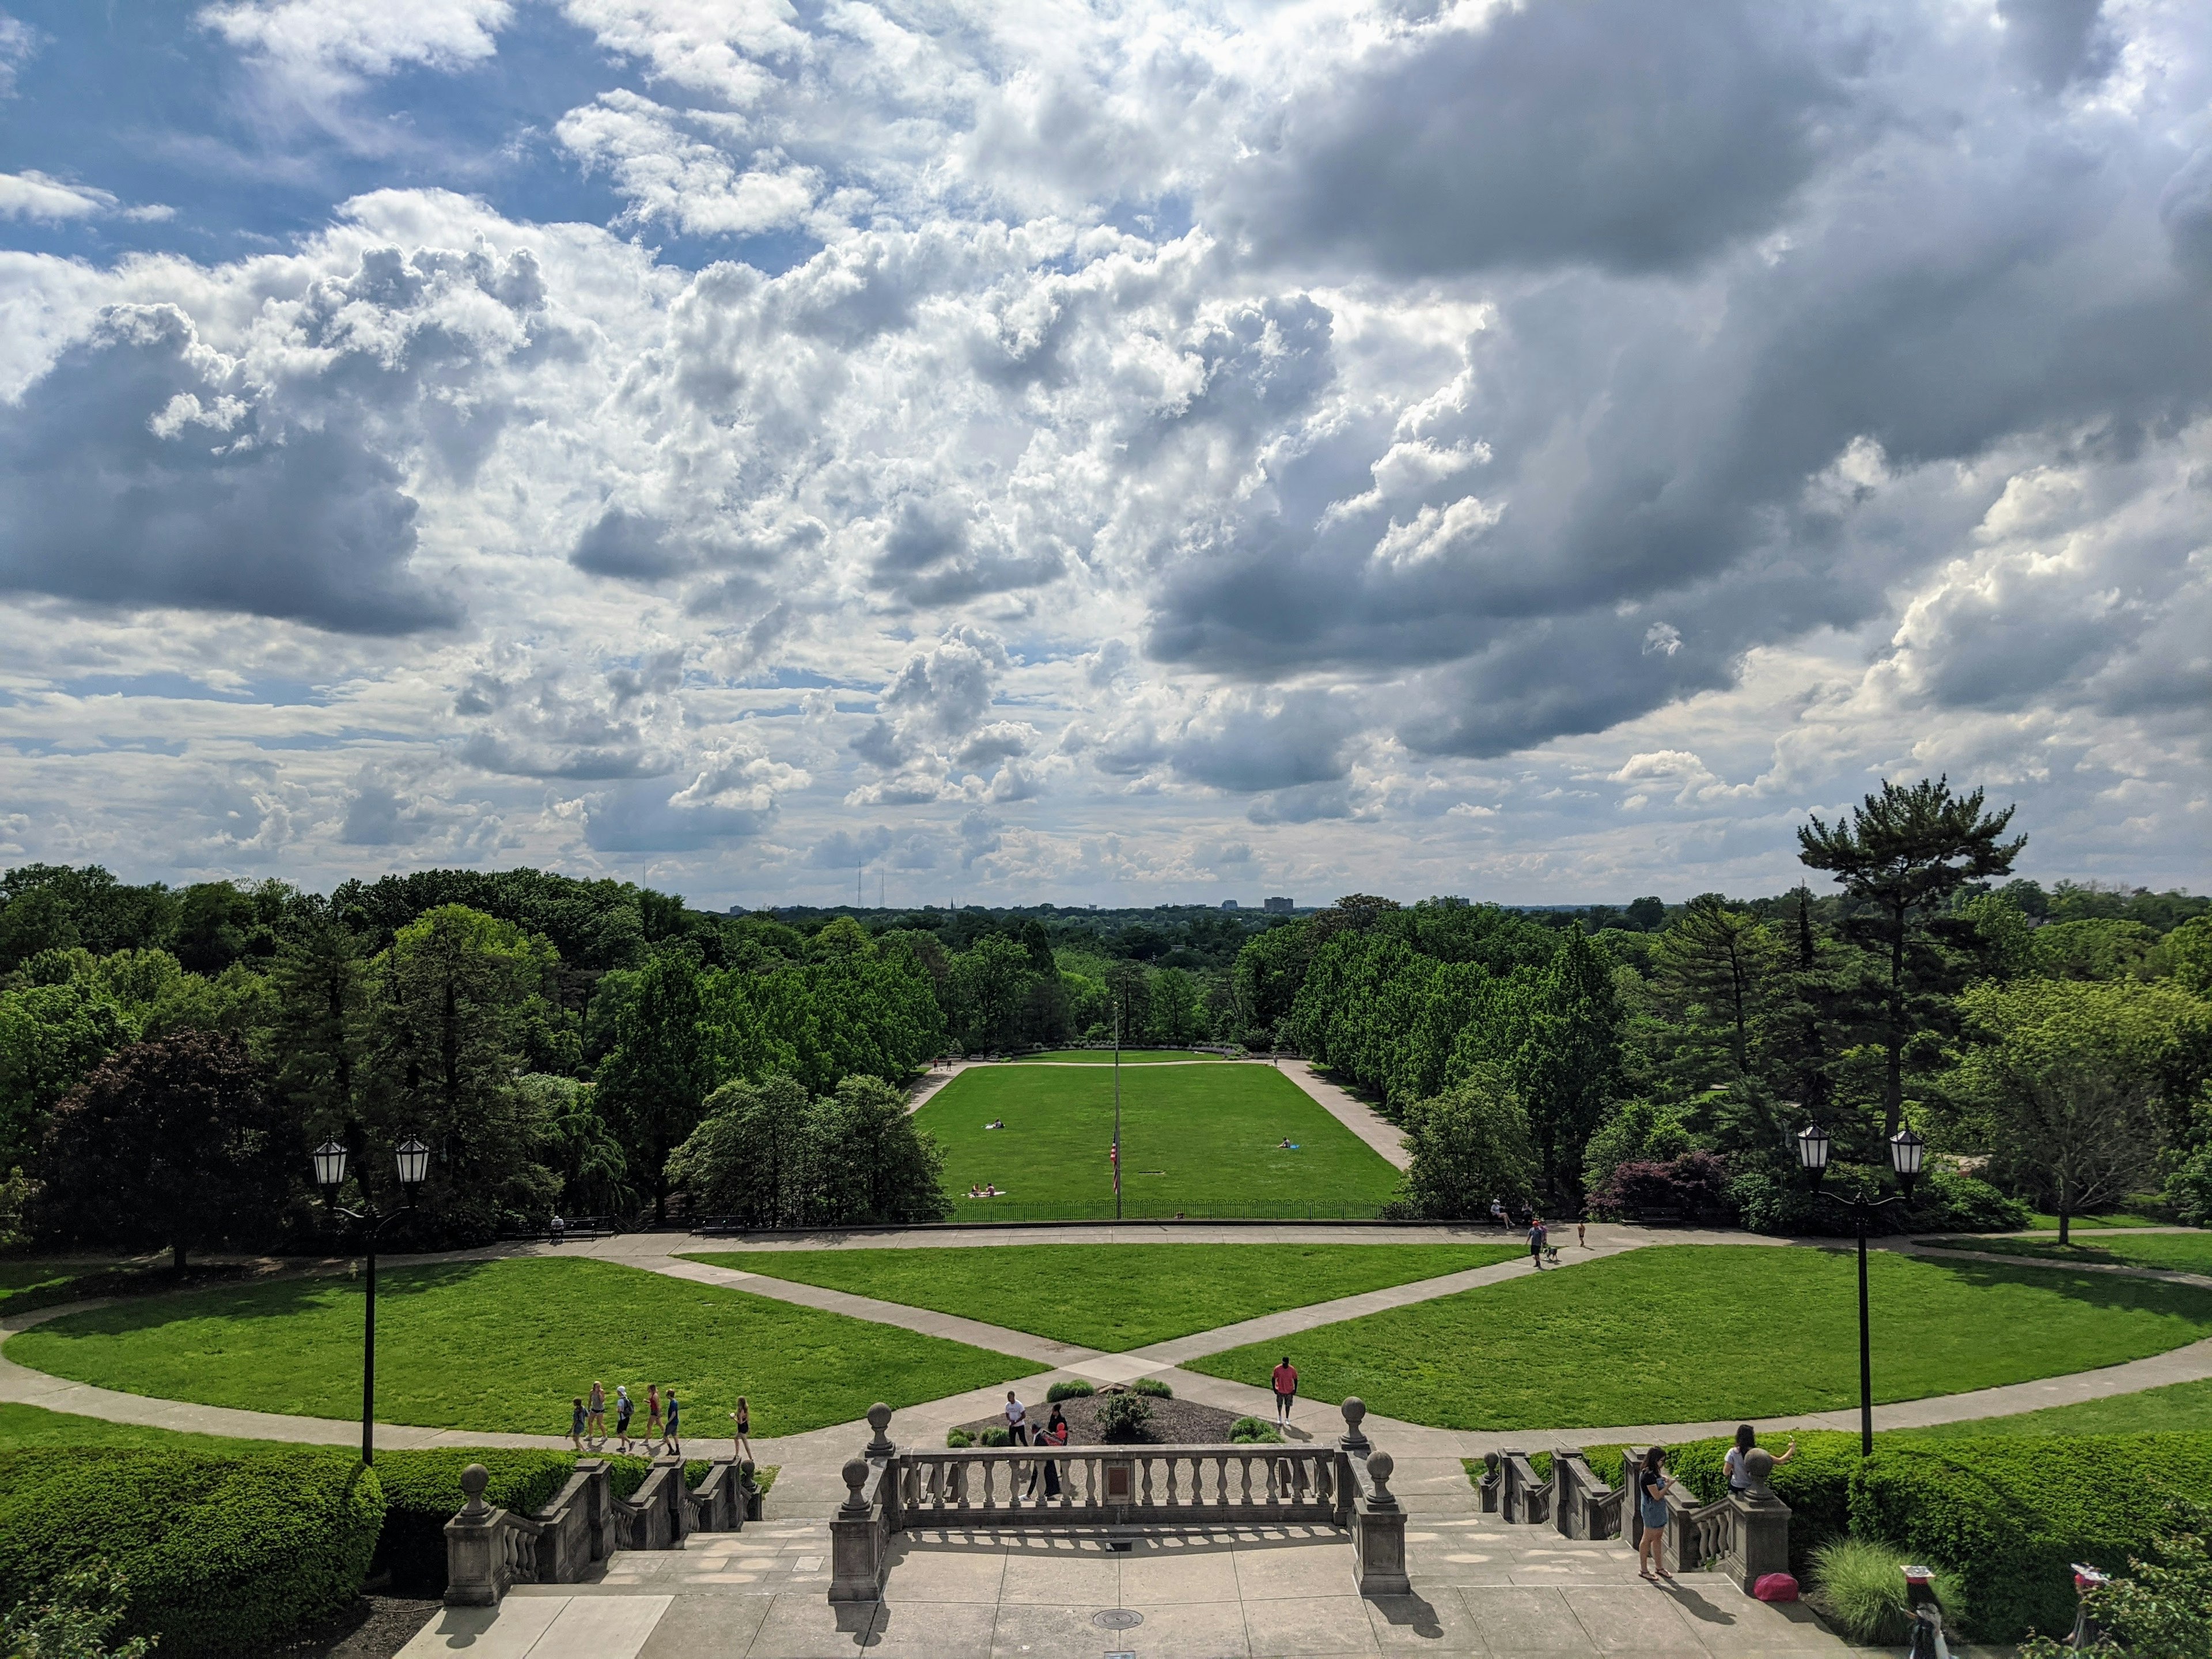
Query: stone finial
[[1758, 1464], [474, 1479], [880, 1420], [1489, 1462], [856, 1476], [1354, 1409], [1379, 1469]]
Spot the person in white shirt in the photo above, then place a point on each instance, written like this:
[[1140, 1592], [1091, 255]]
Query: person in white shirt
[[1739, 1473], [1017, 1419]]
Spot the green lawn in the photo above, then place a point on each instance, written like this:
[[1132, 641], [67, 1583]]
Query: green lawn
[[34, 1425], [2187, 1252], [1688, 1332], [1203, 1140], [1129, 1057], [2049, 1224], [2177, 1405], [504, 1346], [1116, 1296], [18, 1278]]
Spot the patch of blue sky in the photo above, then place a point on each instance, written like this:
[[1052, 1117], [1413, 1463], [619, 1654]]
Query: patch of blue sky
[[268, 693], [142, 102]]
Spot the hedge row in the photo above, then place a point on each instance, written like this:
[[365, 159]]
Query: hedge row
[[2011, 1515], [221, 1552]]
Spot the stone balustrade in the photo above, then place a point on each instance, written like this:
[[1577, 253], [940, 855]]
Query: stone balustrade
[[889, 1490], [1523, 1499], [1583, 1505], [489, 1551]]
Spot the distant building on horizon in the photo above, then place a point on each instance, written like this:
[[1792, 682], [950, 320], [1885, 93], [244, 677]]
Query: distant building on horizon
[[1277, 907], [1229, 904]]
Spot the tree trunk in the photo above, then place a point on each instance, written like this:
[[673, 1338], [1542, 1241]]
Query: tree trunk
[[2065, 1213], [177, 1257]]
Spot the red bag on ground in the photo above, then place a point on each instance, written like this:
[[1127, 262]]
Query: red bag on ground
[[1775, 1587]]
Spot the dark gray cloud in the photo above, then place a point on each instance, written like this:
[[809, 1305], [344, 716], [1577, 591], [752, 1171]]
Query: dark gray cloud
[[1631, 135], [645, 817], [1253, 745], [2056, 41], [139, 471], [937, 554]]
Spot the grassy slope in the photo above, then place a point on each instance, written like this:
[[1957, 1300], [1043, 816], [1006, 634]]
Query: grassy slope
[[1116, 1296], [2188, 1252], [19, 1277], [2049, 1224], [504, 1346], [34, 1425], [1212, 1129], [1689, 1333]]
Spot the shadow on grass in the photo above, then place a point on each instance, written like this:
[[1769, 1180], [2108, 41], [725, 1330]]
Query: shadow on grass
[[277, 1299], [2115, 1292]]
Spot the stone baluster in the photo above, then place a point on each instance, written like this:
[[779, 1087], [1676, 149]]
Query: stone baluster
[[856, 1556], [1759, 1530], [1378, 1532], [474, 1568]]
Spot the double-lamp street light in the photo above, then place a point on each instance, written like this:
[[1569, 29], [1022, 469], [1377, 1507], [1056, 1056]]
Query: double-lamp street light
[[1905, 1152], [413, 1158]]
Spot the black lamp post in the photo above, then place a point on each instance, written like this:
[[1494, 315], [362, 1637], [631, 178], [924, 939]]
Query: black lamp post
[[1904, 1150], [413, 1158]]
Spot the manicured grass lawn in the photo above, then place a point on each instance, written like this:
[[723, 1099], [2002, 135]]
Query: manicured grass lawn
[[504, 1346], [1116, 1296], [19, 1278], [1129, 1057], [2177, 1405], [34, 1425], [1689, 1333], [2049, 1224], [1198, 1140], [2187, 1252]]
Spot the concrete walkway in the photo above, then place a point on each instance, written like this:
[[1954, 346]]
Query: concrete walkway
[[1355, 1114]]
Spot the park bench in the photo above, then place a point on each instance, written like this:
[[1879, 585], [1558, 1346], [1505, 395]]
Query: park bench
[[1659, 1218], [717, 1226], [572, 1227]]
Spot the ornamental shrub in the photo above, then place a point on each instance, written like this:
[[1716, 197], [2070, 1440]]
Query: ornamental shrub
[[2013, 1514], [1769, 1200], [1694, 1183], [998, 1438], [1254, 1431], [1858, 1587], [1074, 1389], [72, 1620], [1151, 1387], [1122, 1417], [958, 1439], [222, 1553]]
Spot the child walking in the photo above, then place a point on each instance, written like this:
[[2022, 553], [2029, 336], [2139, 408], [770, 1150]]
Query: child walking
[[576, 1424], [653, 1413], [675, 1430], [742, 1425], [624, 1407]]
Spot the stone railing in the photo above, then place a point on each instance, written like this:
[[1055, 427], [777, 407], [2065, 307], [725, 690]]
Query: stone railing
[[489, 1551], [1523, 1500], [889, 1491], [1745, 1535], [1583, 1505]]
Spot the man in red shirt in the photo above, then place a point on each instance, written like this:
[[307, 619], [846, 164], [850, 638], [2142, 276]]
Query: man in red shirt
[[1286, 1391]]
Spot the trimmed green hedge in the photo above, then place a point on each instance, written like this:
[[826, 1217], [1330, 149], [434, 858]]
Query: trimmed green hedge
[[222, 1553], [422, 1490], [2011, 1513]]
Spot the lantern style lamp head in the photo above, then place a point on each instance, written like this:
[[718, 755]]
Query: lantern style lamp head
[[330, 1168], [1904, 1150], [1813, 1151], [414, 1166]]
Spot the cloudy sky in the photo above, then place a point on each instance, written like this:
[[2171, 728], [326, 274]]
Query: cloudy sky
[[1121, 453]]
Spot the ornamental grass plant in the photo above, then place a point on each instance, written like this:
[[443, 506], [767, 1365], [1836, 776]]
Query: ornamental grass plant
[[1857, 1586]]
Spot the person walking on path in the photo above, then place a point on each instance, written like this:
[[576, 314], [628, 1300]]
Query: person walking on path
[[595, 1413], [1582, 1232], [1652, 1483], [675, 1428], [576, 1420], [624, 1405], [1017, 1431], [741, 1419], [1536, 1236], [1286, 1391], [653, 1413], [1739, 1471]]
